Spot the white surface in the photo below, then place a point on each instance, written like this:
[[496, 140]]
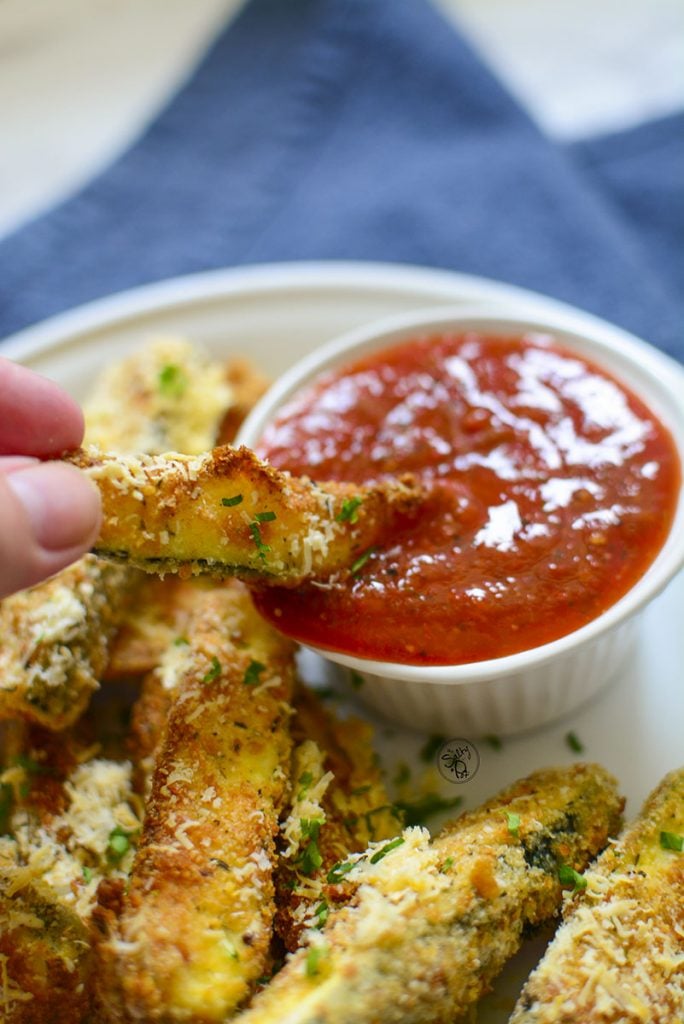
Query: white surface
[[634, 727], [80, 79]]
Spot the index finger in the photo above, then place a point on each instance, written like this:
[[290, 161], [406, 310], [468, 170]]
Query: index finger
[[36, 416]]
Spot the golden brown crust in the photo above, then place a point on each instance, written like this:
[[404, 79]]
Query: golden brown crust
[[335, 758], [157, 619], [229, 513], [619, 957], [432, 923], [195, 930], [54, 641]]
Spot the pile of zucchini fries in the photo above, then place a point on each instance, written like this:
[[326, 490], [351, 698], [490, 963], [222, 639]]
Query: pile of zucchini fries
[[187, 835]]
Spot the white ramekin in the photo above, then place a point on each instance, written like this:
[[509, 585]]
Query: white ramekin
[[520, 691]]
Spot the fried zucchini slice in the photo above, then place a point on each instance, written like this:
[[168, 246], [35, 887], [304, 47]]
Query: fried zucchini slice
[[619, 956], [69, 821], [338, 804], [167, 396], [230, 514], [55, 641], [194, 934], [150, 625], [432, 923]]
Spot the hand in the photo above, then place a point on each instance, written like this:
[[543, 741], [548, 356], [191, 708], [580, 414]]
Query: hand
[[49, 512]]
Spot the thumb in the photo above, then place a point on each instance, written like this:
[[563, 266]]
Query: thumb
[[49, 517]]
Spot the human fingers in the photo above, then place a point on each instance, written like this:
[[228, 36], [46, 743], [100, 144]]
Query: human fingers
[[36, 416], [49, 517]]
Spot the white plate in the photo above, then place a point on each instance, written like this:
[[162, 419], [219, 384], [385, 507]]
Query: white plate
[[276, 313]]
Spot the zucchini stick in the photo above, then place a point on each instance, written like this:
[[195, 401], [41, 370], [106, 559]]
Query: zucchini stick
[[230, 514], [432, 923], [55, 640], [168, 395], [338, 804], [67, 819], [194, 933], [619, 956]]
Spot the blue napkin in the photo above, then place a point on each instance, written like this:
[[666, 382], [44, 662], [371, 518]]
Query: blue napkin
[[362, 129]]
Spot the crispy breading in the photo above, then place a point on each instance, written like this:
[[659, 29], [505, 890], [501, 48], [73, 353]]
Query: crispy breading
[[62, 806], [44, 959], [162, 637], [55, 640], [338, 804], [432, 923], [167, 396], [194, 934], [230, 514], [619, 956], [150, 625]]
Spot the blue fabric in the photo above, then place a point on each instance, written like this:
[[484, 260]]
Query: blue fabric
[[356, 129]]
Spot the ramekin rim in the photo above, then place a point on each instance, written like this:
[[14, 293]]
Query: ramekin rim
[[645, 362]]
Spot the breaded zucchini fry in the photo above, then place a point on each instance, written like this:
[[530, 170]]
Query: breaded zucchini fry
[[167, 396], [619, 956], [432, 923], [54, 641], [150, 625], [194, 934], [229, 513], [45, 958], [70, 820], [338, 804]]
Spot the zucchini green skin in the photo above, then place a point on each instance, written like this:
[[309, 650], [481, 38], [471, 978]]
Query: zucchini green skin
[[432, 923], [619, 956]]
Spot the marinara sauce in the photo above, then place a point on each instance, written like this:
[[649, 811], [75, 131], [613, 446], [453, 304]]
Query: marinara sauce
[[550, 486]]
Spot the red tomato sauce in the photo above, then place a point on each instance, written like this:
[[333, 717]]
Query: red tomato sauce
[[551, 490]]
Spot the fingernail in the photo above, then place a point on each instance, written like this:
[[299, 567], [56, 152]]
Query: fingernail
[[61, 504]]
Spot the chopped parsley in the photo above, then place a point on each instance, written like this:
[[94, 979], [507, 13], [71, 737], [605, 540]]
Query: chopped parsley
[[265, 517], [172, 381], [262, 548], [181, 641], [349, 513], [430, 747], [417, 812], [358, 565], [87, 875], [339, 870], [568, 876], [231, 502], [360, 790], [214, 672], [513, 821], [672, 841], [252, 673], [356, 679], [31, 768], [313, 958], [304, 780], [387, 848], [310, 858], [574, 743], [119, 843], [321, 913], [493, 741], [448, 863]]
